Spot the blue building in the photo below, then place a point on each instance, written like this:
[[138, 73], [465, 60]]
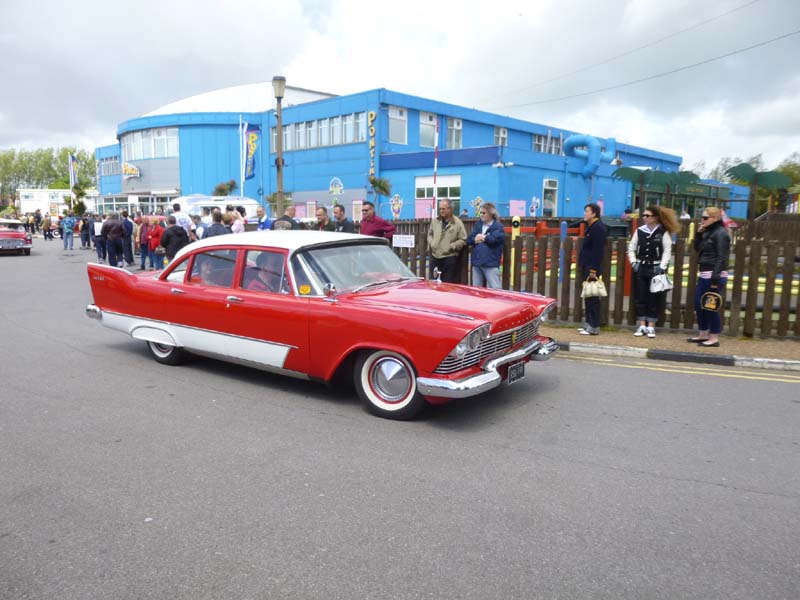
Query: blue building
[[333, 144]]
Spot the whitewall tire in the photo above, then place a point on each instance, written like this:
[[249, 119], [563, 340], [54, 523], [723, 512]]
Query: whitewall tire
[[166, 355], [386, 382]]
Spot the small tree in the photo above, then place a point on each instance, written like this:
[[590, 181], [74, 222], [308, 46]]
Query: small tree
[[747, 173], [225, 188], [380, 186]]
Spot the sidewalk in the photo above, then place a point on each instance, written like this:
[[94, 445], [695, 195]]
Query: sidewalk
[[672, 345]]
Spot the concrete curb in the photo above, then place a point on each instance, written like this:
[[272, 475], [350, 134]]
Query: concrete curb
[[725, 360]]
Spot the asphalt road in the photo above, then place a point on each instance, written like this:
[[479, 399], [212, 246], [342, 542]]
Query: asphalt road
[[591, 478]]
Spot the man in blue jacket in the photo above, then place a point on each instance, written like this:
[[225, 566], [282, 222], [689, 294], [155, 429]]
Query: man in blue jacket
[[486, 239]]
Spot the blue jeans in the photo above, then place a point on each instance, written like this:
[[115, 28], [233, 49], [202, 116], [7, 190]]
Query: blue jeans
[[708, 320], [488, 276], [68, 233]]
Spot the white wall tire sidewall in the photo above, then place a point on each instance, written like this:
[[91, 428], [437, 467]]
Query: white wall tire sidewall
[[375, 399]]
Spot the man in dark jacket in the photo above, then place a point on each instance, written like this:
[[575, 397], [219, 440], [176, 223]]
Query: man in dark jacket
[[112, 232], [590, 261], [174, 238], [127, 238], [343, 224], [216, 227]]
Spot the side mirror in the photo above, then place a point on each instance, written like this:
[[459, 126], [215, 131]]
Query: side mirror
[[437, 274], [329, 290]]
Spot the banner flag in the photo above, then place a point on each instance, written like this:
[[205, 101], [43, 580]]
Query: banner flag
[[252, 136], [73, 171]]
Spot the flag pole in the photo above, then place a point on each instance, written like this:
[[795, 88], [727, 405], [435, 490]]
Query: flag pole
[[435, 164]]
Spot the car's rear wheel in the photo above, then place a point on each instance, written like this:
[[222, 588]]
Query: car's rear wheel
[[387, 385], [166, 355]]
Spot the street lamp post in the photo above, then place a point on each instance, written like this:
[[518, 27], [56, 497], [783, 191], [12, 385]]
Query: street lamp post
[[279, 88]]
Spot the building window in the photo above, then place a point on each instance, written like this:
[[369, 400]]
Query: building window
[[288, 135], [150, 143], [427, 130], [311, 134], [539, 142], [398, 133], [300, 135], [324, 132], [453, 134], [336, 131], [349, 129], [361, 127], [548, 144], [500, 136]]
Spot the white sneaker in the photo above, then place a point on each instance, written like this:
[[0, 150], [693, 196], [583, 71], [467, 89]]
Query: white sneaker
[[640, 331], [651, 332]]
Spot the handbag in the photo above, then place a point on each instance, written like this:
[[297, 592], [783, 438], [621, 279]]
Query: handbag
[[593, 289], [711, 301], [161, 251], [660, 283]]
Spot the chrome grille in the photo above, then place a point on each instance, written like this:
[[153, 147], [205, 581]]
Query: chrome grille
[[498, 343]]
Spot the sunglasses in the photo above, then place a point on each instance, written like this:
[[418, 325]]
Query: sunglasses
[[704, 217], [647, 215]]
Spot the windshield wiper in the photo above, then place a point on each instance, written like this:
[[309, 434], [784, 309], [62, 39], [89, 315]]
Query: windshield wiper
[[380, 282]]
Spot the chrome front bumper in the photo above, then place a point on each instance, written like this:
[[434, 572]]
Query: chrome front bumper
[[539, 349], [94, 312]]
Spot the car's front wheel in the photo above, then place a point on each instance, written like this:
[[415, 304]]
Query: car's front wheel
[[387, 385], [166, 355]]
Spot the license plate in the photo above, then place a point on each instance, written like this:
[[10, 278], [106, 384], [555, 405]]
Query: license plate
[[516, 372]]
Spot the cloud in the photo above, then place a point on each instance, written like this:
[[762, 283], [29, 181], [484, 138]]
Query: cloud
[[88, 65]]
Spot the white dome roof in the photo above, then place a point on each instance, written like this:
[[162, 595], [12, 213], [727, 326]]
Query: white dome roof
[[251, 97]]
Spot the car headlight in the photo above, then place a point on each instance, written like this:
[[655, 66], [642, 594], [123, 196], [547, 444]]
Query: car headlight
[[543, 316], [472, 341]]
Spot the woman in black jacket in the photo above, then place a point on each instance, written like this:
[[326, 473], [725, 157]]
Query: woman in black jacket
[[590, 261], [713, 246]]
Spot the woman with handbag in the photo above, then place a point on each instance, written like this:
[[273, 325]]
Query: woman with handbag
[[713, 245], [590, 261], [649, 253], [154, 234]]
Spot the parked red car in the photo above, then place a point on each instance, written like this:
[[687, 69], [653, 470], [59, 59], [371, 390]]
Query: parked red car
[[14, 238], [319, 305]]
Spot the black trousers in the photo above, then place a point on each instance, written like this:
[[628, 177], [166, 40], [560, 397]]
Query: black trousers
[[649, 306], [591, 307], [127, 249], [448, 267]]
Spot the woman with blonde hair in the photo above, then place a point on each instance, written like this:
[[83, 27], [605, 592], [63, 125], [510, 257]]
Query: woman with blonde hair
[[713, 246], [649, 253]]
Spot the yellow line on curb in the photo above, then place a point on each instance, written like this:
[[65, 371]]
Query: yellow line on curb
[[690, 372], [716, 369]]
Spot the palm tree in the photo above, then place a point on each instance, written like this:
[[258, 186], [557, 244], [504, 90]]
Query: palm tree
[[78, 194], [639, 177], [671, 181], [225, 188], [380, 186], [747, 173]]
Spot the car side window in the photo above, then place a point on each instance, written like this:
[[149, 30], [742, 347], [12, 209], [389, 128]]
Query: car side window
[[178, 274], [214, 268], [265, 271]]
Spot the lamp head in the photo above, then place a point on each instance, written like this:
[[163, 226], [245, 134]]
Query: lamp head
[[279, 86]]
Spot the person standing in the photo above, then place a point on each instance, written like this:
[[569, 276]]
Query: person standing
[[68, 223], [487, 239], [286, 221], [174, 238], [142, 235], [46, 232], [590, 261], [127, 238], [154, 234], [323, 220], [99, 239], [649, 253], [264, 221], [86, 243], [372, 224], [113, 231], [216, 227], [181, 218], [342, 223], [713, 245], [446, 237]]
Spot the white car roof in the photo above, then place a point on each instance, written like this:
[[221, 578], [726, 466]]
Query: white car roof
[[291, 240]]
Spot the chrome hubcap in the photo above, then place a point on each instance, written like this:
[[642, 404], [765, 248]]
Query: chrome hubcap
[[391, 379]]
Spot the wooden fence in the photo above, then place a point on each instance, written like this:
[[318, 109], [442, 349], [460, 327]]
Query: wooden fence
[[761, 295]]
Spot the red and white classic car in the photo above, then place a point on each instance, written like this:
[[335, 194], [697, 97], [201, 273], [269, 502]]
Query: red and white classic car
[[320, 306], [14, 238]]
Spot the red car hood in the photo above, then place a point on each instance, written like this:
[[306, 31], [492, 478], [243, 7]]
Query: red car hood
[[503, 309]]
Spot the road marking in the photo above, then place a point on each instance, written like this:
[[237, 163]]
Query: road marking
[[737, 371], [777, 378]]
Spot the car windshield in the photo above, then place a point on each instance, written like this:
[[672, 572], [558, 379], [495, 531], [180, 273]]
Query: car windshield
[[353, 266]]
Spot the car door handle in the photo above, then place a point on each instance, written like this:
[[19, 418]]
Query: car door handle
[[233, 299], [177, 291]]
